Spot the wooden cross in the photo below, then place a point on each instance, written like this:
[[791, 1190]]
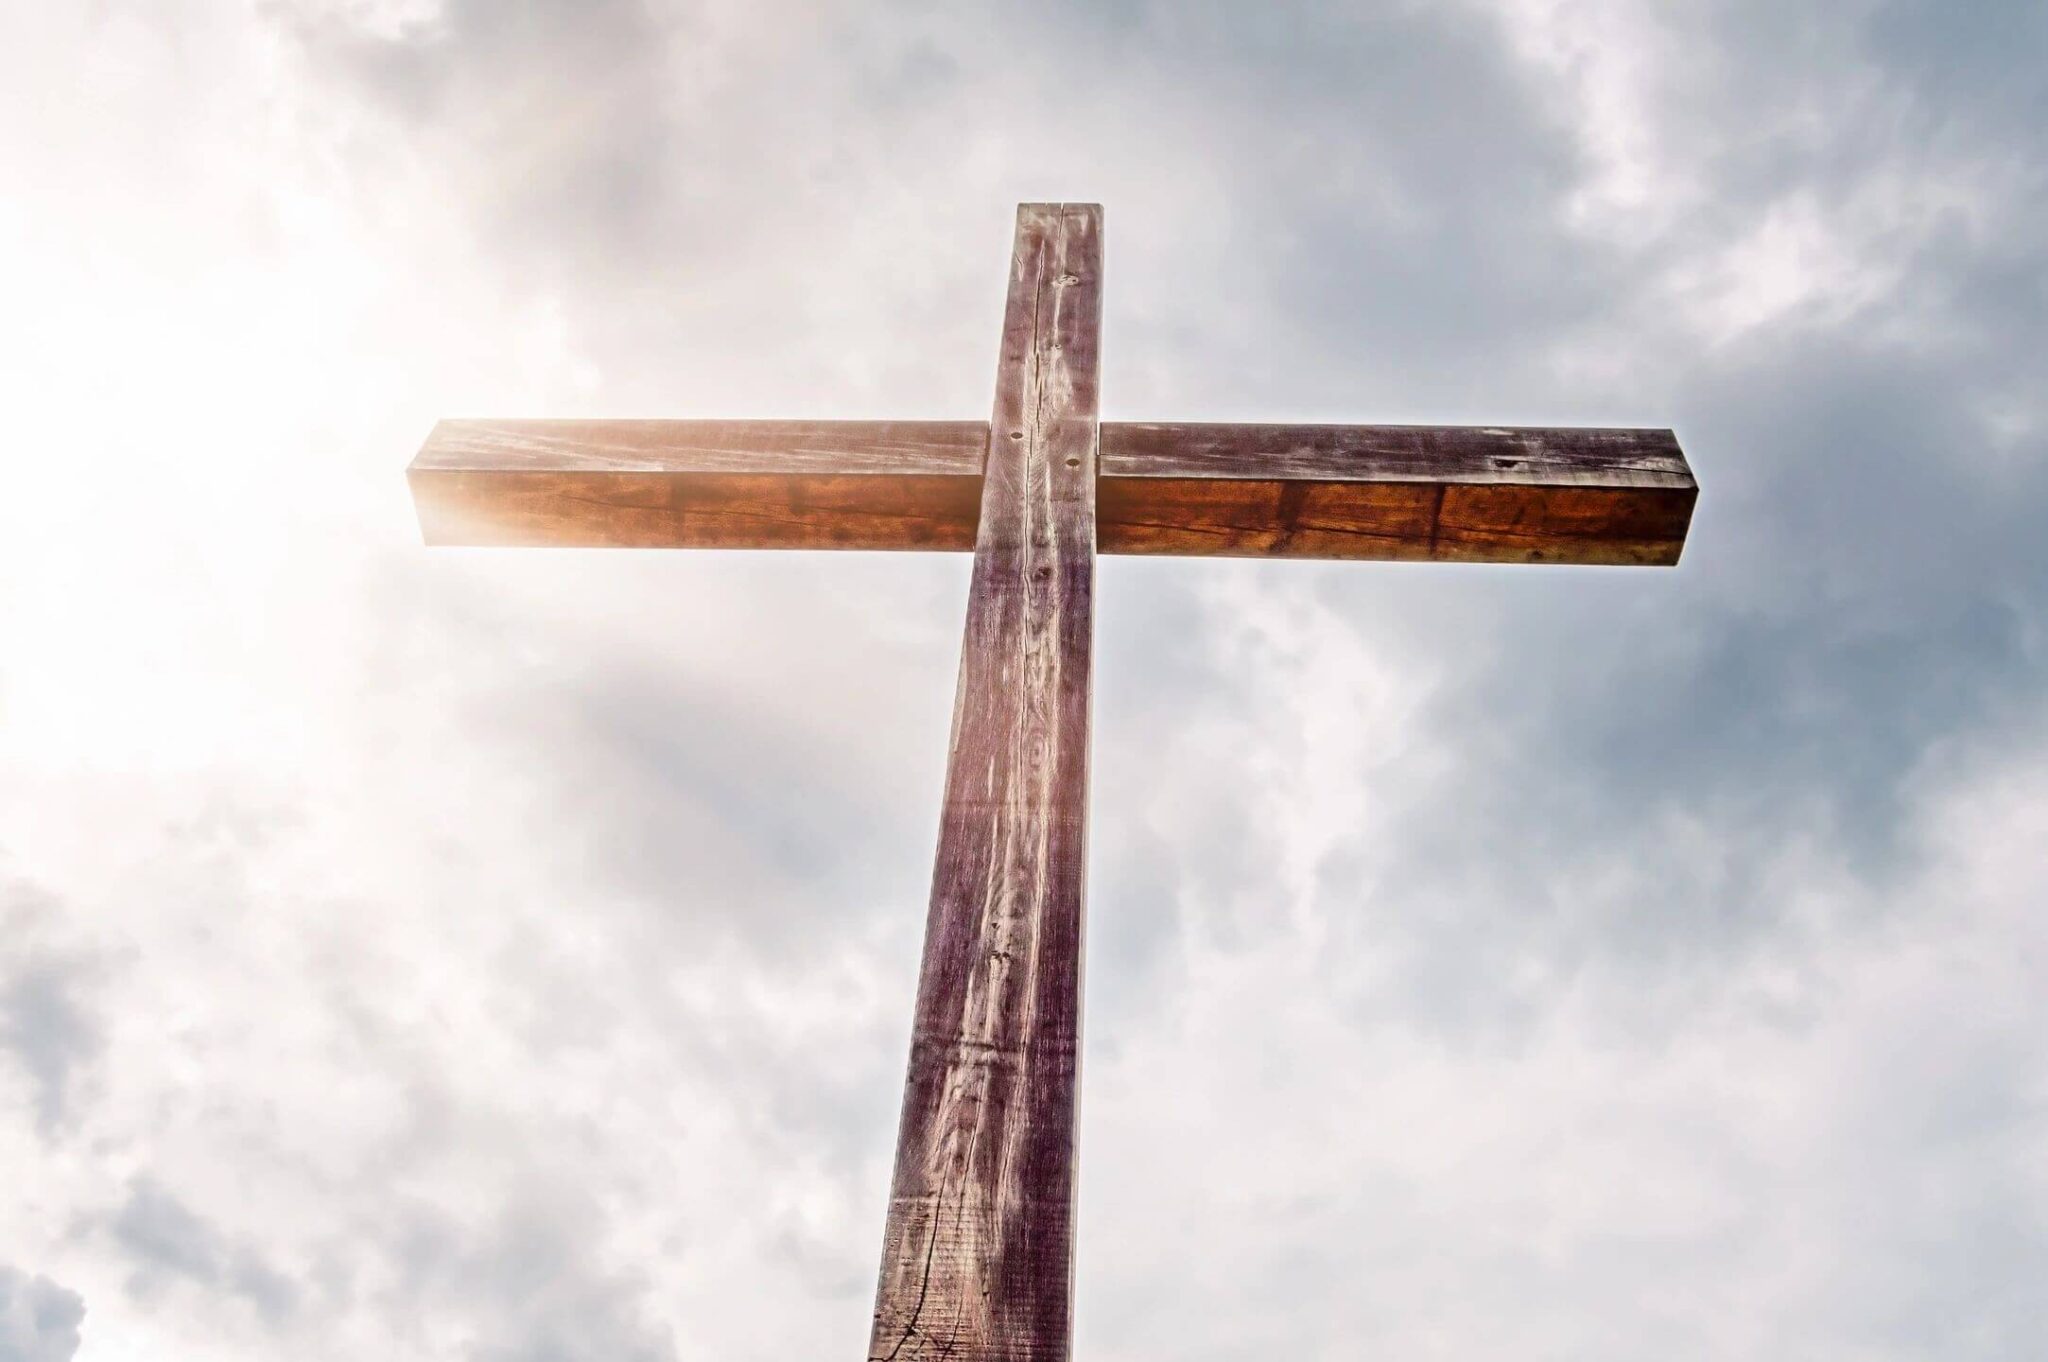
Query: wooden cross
[[977, 1258]]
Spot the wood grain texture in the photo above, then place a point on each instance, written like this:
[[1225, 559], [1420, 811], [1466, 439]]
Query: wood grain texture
[[790, 448], [1493, 455], [1449, 493], [1444, 493], [701, 484], [977, 1257]]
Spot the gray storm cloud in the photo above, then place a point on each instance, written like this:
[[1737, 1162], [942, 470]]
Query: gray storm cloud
[[509, 955]]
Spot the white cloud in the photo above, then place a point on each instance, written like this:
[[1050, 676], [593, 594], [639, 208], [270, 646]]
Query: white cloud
[[1609, 64], [1818, 1141], [508, 955]]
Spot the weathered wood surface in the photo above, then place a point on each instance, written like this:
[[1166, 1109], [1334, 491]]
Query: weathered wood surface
[[1444, 493], [977, 1258], [1487, 455], [702, 484], [1450, 493], [787, 448]]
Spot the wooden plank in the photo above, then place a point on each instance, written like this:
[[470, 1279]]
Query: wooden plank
[[874, 448], [1534, 455], [702, 484], [1445, 493], [977, 1258], [1448, 493]]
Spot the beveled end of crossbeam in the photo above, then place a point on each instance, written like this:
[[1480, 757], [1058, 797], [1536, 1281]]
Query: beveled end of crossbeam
[[1495, 494]]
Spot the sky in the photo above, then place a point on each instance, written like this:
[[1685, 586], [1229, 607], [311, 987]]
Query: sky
[[507, 956]]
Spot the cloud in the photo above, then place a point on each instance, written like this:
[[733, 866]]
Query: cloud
[[44, 1022], [507, 955], [39, 1320], [1826, 1138], [166, 1240], [537, 1293]]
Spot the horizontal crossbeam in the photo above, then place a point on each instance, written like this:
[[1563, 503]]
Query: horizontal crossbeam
[[1443, 493]]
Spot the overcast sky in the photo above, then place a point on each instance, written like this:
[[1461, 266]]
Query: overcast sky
[[507, 956]]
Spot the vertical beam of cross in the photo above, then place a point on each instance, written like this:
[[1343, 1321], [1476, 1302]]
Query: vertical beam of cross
[[977, 1259]]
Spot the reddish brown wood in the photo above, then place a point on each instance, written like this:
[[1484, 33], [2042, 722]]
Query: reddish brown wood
[[1450, 493], [977, 1258], [1471, 494], [702, 484]]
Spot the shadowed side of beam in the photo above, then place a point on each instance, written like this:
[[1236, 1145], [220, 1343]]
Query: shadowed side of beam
[[1442, 493], [701, 484], [977, 1257]]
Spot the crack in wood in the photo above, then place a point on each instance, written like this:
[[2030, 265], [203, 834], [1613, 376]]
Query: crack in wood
[[977, 1258]]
